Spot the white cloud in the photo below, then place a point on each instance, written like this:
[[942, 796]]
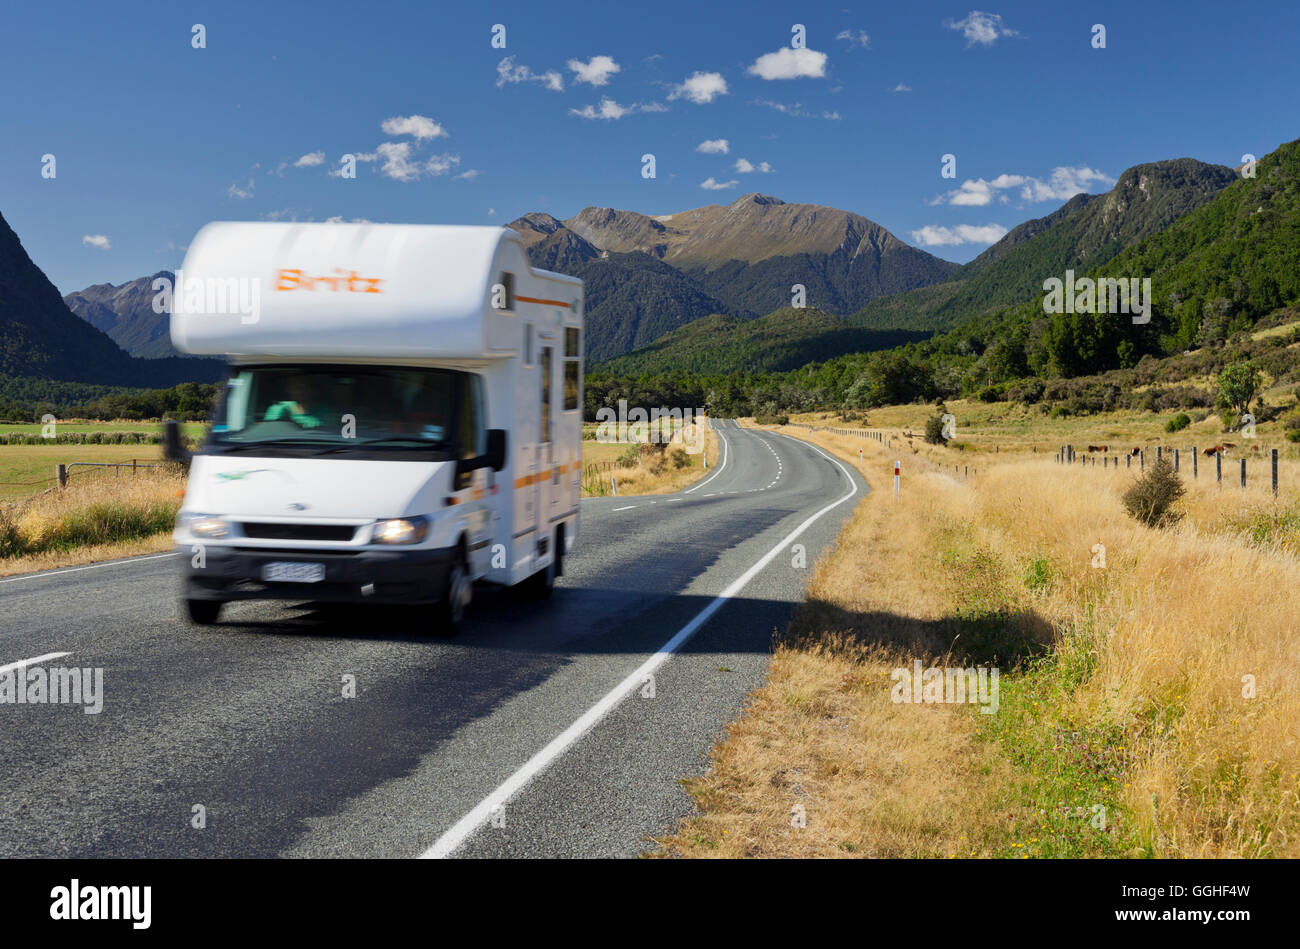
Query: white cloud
[[744, 166], [856, 38], [902, 87], [418, 126], [936, 236], [796, 109], [241, 194], [1064, 183], [701, 88], [400, 164], [609, 109], [492, 212], [714, 146], [595, 71], [788, 63], [339, 219], [982, 28], [468, 174], [97, 240], [711, 184], [507, 71], [310, 160]]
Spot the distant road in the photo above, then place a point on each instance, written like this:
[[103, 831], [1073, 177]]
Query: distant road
[[542, 706]]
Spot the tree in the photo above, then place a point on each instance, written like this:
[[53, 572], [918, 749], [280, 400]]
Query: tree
[[1238, 384]]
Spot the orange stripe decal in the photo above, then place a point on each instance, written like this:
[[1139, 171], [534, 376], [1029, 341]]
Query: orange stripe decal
[[540, 300]]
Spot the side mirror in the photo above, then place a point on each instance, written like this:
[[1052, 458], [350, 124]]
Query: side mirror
[[173, 449], [496, 448]]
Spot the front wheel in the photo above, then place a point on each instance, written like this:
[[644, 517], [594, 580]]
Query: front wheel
[[203, 612], [451, 609]]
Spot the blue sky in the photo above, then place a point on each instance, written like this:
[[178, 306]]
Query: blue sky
[[152, 138]]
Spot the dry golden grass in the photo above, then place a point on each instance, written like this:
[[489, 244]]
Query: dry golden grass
[[873, 778], [1152, 658], [92, 519], [648, 475]]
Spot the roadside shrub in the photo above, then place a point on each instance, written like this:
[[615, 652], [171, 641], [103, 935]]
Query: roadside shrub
[[1178, 422], [771, 419], [934, 431], [1152, 496], [11, 538], [1038, 575], [106, 523], [990, 394], [679, 458]]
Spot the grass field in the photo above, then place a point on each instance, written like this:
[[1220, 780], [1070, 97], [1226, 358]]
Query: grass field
[[1148, 703], [1003, 427], [651, 474], [191, 429], [28, 469]]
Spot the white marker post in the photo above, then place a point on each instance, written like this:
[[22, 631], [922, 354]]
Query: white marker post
[[898, 469], [859, 454]]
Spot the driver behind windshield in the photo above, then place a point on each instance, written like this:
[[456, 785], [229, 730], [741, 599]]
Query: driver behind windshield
[[296, 408]]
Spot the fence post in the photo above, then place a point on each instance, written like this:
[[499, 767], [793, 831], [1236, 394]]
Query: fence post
[[1176, 459], [1218, 469], [61, 474], [1243, 473], [1159, 452], [1142, 460], [1194, 461], [1128, 461], [1274, 453]]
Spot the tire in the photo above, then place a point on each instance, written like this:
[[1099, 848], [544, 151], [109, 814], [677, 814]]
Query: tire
[[203, 612], [541, 585], [451, 609]]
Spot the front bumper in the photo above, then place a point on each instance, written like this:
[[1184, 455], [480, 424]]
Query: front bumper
[[351, 576]]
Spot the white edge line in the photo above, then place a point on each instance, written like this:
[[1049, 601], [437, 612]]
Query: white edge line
[[717, 471], [94, 566], [461, 831], [627, 507], [27, 662]]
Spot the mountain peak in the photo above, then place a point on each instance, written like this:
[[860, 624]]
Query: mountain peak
[[755, 198]]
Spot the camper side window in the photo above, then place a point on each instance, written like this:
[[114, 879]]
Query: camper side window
[[508, 285], [528, 344], [473, 431], [572, 368]]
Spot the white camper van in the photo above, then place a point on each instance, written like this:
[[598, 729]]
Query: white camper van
[[402, 416]]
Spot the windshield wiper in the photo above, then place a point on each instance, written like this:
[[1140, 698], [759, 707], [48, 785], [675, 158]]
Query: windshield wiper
[[401, 439], [268, 443]]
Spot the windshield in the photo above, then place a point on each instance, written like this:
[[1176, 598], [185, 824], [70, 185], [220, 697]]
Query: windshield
[[340, 409]]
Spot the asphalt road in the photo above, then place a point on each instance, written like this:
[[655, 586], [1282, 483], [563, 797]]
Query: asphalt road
[[537, 732]]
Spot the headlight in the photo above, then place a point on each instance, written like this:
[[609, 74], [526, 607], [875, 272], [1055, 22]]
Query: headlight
[[206, 525], [400, 530]]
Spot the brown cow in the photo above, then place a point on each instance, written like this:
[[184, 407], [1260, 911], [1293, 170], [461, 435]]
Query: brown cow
[[1092, 448], [1135, 452], [1215, 450]]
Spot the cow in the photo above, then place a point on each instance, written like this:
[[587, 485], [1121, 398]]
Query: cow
[[1135, 452], [1214, 450], [1093, 448]]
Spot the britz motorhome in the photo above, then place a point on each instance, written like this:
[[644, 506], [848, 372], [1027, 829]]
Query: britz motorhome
[[402, 416]]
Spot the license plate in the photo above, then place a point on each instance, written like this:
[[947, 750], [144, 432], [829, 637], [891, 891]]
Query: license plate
[[284, 571]]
